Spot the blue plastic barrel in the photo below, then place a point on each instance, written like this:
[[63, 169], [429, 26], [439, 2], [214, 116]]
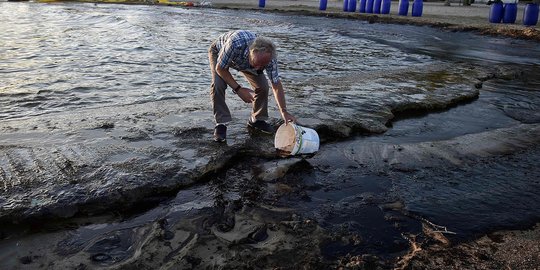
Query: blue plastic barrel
[[345, 5], [530, 14], [386, 4], [496, 12], [417, 7], [262, 3], [362, 7], [369, 6], [403, 7], [322, 4], [510, 13], [377, 6], [352, 6]]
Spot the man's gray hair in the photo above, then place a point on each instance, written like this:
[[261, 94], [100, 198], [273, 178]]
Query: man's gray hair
[[262, 44]]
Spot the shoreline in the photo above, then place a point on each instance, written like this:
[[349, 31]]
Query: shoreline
[[456, 17]]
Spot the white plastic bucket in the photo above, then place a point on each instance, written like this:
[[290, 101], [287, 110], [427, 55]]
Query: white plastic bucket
[[294, 139]]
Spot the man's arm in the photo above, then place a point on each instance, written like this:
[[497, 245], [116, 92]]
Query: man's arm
[[245, 94], [279, 94]]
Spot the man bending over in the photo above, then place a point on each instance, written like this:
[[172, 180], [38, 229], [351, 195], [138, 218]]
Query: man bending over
[[251, 55]]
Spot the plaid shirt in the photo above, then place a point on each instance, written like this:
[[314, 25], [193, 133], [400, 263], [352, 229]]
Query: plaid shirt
[[233, 51]]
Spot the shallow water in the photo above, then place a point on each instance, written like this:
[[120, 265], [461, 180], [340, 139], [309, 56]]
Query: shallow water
[[74, 57], [60, 57]]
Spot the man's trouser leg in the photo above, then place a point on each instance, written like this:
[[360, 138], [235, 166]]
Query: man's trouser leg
[[260, 84], [222, 114]]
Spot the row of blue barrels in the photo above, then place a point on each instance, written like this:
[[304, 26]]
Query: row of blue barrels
[[368, 6], [379, 6], [507, 13], [374, 6], [416, 10]]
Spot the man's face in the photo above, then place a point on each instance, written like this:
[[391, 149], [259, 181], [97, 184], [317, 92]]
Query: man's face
[[260, 60]]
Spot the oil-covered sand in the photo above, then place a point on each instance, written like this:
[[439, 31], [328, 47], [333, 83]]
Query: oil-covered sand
[[423, 166], [360, 203]]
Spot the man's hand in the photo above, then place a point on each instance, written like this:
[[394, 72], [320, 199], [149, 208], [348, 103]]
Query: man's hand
[[287, 117], [246, 94]]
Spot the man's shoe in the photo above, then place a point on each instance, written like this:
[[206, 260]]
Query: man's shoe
[[220, 133], [261, 126]]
